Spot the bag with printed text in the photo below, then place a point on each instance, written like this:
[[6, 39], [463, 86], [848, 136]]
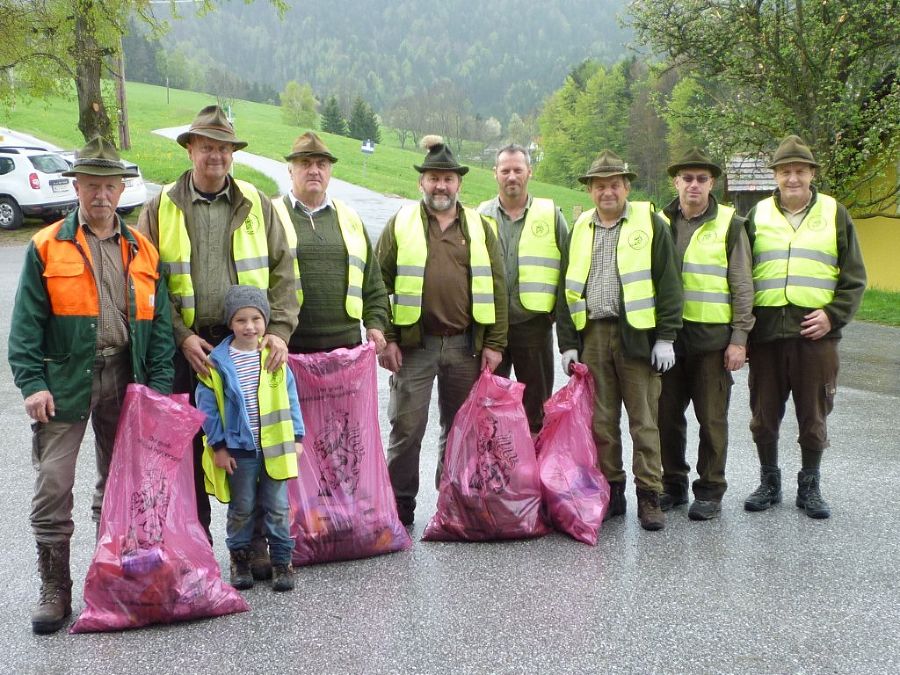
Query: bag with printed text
[[153, 562]]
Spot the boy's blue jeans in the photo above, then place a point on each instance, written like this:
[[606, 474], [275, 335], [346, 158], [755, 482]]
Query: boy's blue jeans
[[249, 477]]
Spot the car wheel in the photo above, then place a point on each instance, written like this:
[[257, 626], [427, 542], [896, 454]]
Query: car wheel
[[10, 214]]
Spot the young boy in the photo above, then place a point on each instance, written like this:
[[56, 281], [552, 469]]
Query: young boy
[[254, 434]]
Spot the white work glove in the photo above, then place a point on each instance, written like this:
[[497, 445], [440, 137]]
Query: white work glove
[[569, 357], [663, 355]]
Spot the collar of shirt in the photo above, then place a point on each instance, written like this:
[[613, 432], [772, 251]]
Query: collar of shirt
[[626, 213], [82, 222], [224, 193], [812, 198], [326, 204], [698, 216], [504, 212]]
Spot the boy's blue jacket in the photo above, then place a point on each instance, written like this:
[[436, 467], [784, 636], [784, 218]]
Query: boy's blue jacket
[[234, 432]]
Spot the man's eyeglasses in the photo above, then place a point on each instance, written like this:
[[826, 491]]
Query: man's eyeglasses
[[690, 178]]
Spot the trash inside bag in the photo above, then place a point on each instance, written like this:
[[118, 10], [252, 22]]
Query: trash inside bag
[[489, 486], [153, 562], [342, 505], [576, 494]]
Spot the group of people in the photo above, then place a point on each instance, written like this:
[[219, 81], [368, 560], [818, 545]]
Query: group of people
[[217, 285]]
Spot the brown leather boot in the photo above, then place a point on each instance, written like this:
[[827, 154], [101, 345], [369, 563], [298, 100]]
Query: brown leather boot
[[651, 516], [260, 563], [55, 604], [241, 578]]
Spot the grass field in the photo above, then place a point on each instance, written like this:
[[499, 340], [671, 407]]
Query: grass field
[[880, 307], [388, 171]]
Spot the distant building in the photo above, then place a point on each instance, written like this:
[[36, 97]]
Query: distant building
[[748, 180]]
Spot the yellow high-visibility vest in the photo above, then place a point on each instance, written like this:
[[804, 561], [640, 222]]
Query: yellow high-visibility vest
[[633, 261], [539, 257], [412, 252], [276, 429], [250, 249], [354, 237], [704, 271], [799, 266]]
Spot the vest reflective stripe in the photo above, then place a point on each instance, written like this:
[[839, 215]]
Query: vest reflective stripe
[[281, 210], [795, 266], [353, 233], [276, 429], [704, 271], [412, 252], [250, 248], [633, 260]]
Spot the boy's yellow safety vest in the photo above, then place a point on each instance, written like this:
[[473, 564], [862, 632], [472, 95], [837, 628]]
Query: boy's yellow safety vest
[[250, 249], [276, 429], [412, 252], [354, 237], [799, 266], [633, 261]]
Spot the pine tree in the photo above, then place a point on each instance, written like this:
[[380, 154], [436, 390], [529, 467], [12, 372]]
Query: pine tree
[[364, 122], [333, 121]]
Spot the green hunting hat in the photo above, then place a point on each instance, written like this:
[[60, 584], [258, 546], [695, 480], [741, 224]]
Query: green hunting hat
[[792, 149], [607, 164], [309, 145], [99, 158], [212, 123], [695, 158], [439, 158]]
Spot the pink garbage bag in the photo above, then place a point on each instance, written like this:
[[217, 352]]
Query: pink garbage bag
[[576, 494], [489, 486], [342, 505], [153, 563]]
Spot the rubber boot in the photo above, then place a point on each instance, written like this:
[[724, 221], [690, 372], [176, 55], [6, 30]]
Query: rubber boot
[[617, 503], [55, 604], [651, 516], [241, 578], [769, 491], [808, 496]]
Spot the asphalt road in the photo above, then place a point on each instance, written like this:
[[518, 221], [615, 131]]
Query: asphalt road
[[749, 593]]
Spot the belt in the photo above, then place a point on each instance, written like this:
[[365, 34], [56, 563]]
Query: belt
[[111, 351]]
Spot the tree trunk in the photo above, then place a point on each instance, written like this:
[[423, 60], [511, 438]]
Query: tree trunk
[[92, 117]]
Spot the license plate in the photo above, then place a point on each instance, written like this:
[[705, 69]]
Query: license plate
[[61, 187], [129, 182]]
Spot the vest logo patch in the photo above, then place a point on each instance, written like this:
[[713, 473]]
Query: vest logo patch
[[815, 223], [707, 237], [638, 240], [276, 379], [251, 223], [540, 229]]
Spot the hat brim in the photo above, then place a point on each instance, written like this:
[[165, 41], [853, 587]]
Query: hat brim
[[185, 136], [586, 178], [100, 171], [793, 160], [458, 169], [304, 153], [714, 169]]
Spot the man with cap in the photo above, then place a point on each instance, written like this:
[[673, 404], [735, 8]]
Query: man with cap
[[214, 231], [443, 267], [809, 278], [620, 310], [531, 231], [712, 250], [339, 280], [91, 315]]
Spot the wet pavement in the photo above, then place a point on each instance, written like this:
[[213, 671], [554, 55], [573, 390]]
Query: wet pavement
[[773, 592]]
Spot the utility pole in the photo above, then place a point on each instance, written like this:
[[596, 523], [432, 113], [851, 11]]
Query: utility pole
[[124, 135]]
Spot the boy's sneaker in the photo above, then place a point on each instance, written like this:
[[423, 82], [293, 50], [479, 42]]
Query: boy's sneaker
[[241, 578], [282, 578]]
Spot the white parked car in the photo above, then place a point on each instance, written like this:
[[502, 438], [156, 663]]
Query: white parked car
[[135, 193], [32, 184]]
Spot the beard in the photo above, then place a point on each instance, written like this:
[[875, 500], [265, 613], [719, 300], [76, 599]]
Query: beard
[[440, 202]]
